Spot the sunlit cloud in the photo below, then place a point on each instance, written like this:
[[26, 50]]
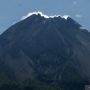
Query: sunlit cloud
[[43, 15]]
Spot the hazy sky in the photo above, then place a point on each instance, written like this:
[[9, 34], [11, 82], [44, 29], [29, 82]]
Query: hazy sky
[[11, 11]]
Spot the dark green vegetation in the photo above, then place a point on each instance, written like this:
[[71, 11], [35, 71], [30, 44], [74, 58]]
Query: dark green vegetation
[[28, 85], [37, 85], [45, 54]]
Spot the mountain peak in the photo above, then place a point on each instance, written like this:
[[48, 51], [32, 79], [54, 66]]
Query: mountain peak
[[43, 15], [46, 48]]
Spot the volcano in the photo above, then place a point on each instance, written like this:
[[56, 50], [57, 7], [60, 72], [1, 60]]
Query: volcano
[[53, 50]]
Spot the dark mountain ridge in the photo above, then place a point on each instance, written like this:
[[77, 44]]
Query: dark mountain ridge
[[45, 49]]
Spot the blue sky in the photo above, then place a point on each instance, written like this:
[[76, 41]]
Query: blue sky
[[11, 11]]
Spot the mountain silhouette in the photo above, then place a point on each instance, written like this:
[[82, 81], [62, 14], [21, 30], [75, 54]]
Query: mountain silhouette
[[45, 49]]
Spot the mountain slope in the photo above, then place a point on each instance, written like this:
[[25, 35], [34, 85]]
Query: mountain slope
[[46, 49]]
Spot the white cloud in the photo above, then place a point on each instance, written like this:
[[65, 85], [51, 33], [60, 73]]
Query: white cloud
[[66, 16], [36, 13], [43, 15], [82, 27], [78, 16], [75, 2]]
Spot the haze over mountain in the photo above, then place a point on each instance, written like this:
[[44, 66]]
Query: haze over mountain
[[54, 49]]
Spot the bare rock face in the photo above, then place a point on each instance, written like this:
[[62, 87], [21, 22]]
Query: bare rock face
[[53, 49]]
